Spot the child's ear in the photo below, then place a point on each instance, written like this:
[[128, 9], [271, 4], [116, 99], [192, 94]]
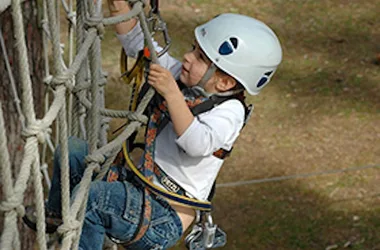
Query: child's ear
[[225, 83]]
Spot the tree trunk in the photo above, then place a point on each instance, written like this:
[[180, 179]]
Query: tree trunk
[[7, 97]]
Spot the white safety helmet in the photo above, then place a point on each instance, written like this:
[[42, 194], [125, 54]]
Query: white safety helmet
[[243, 47]]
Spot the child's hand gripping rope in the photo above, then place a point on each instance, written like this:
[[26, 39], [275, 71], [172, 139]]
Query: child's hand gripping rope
[[163, 81]]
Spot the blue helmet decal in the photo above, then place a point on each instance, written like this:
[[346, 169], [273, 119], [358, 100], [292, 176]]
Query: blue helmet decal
[[228, 46], [262, 81], [225, 49]]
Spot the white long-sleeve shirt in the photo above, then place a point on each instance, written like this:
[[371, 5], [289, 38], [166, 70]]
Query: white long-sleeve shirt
[[189, 159]]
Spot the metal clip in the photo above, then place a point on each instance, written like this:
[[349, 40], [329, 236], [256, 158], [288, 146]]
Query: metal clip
[[220, 239], [193, 240], [205, 235], [209, 232], [156, 23]]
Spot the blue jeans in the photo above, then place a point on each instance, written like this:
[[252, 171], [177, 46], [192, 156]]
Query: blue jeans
[[115, 208]]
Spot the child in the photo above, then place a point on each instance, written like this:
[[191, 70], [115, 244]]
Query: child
[[232, 53]]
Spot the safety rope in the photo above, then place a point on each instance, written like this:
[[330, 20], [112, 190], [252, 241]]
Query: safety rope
[[296, 176]]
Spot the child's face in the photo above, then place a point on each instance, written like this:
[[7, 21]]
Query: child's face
[[194, 66]]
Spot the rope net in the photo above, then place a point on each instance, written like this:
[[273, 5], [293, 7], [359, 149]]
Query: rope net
[[77, 109]]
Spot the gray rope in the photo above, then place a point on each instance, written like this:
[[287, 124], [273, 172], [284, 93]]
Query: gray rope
[[31, 146], [137, 8], [4, 4], [70, 225], [39, 200], [37, 130], [64, 77], [19, 34], [47, 80], [82, 191], [289, 177], [59, 69], [71, 16], [7, 185], [99, 79], [95, 69], [105, 167], [114, 144], [81, 74], [115, 113]]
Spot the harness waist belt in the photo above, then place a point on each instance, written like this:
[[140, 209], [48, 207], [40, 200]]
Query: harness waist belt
[[184, 200], [167, 181]]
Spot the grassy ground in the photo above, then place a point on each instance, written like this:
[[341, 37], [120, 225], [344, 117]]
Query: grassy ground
[[321, 112]]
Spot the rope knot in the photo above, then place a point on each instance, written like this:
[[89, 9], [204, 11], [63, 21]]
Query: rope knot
[[133, 116], [69, 227], [38, 130], [98, 158], [13, 204], [81, 86], [66, 78], [97, 23]]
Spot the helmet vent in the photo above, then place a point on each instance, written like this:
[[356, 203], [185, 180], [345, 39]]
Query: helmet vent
[[234, 42], [225, 48], [262, 81], [268, 73]]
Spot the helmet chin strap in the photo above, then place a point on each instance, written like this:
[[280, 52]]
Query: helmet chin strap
[[207, 76]]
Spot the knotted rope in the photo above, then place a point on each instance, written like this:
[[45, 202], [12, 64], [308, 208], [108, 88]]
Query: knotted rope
[[89, 28]]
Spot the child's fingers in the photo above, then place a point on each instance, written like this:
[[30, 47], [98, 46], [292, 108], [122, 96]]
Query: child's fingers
[[156, 68], [153, 72], [154, 81], [151, 79]]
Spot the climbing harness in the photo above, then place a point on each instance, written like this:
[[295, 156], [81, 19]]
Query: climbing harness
[[186, 201], [209, 231], [134, 75]]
